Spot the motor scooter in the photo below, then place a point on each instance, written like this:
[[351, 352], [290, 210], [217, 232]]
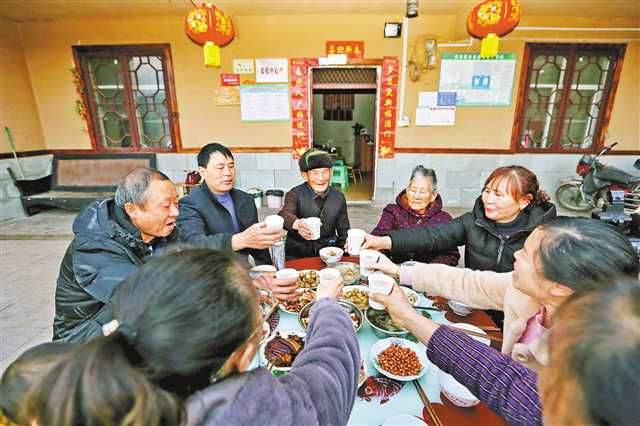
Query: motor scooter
[[597, 183]]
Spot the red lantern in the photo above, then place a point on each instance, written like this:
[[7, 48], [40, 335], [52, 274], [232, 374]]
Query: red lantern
[[208, 23], [492, 19]]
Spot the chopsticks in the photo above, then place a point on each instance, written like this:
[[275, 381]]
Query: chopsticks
[[488, 328], [473, 333], [427, 404]]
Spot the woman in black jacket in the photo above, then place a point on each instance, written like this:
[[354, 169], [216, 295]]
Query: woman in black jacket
[[510, 207]]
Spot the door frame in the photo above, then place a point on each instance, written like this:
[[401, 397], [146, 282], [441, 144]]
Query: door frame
[[378, 87]]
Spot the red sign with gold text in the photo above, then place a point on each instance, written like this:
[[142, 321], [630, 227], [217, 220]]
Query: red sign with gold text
[[353, 49], [299, 78], [388, 106]]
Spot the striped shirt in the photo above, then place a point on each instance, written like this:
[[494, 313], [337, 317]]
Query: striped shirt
[[501, 383]]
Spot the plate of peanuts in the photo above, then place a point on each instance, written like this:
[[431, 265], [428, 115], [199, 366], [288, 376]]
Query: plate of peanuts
[[399, 359]]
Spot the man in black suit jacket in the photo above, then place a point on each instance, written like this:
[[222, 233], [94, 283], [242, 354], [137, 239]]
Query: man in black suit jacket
[[220, 217]]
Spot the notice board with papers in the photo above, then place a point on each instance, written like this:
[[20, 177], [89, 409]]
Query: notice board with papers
[[478, 82], [264, 102]]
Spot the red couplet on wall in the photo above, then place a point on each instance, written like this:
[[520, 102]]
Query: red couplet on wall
[[388, 107], [299, 78]]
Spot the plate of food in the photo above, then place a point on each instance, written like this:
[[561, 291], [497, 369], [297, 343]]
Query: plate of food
[[399, 359], [350, 272], [295, 305], [308, 278], [356, 315], [356, 294], [280, 351], [411, 295]]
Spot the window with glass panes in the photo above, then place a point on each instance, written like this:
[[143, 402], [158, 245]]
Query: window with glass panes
[[566, 94], [129, 94]]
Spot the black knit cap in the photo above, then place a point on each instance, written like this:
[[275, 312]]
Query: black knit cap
[[315, 159]]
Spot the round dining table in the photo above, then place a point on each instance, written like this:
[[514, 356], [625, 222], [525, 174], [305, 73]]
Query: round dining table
[[374, 405]]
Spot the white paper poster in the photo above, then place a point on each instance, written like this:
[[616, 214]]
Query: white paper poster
[[426, 99], [478, 82], [265, 102], [436, 116], [272, 70], [243, 66]]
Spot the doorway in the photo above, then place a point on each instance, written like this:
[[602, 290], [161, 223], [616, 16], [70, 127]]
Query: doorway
[[344, 124]]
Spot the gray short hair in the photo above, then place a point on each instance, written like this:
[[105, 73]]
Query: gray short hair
[[427, 173], [133, 187]]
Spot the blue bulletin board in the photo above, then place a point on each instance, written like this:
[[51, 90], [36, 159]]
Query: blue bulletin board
[[478, 82]]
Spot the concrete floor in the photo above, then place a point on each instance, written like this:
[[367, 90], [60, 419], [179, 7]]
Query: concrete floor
[[31, 250]]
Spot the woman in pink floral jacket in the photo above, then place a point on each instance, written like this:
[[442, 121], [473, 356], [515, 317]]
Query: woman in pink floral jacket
[[417, 206]]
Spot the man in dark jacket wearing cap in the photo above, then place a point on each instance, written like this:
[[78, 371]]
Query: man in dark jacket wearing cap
[[113, 238], [314, 198]]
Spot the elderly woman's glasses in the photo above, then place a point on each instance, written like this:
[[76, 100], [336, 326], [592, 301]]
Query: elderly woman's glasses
[[268, 305]]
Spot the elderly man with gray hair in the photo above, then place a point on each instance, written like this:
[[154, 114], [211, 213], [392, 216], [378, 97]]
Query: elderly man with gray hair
[[113, 238]]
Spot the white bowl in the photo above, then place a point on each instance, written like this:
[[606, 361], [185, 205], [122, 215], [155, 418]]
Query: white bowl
[[331, 255], [456, 392], [471, 327], [383, 344], [284, 333], [460, 308]]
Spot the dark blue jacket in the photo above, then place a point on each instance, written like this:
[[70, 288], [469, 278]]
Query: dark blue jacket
[[203, 221], [106, 250]]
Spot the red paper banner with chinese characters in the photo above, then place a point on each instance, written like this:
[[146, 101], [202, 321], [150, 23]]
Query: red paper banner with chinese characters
[[299, 78], [388, 105], [353, 49]]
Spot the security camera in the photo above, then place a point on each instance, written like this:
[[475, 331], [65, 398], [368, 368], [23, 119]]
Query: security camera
[[412, 8]]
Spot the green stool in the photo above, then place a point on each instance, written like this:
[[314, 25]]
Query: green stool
[[339, 176], [338, 162]]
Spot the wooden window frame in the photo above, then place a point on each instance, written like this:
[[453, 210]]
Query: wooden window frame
[[126, 50], [604, 115]]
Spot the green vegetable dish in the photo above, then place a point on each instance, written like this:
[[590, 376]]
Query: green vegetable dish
[[381, 319]]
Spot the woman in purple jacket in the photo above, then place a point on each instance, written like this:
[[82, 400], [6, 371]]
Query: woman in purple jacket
[[186, 329], [418, 205]]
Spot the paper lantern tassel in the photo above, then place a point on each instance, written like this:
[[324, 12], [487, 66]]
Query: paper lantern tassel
[[211, 54], [489, 46]]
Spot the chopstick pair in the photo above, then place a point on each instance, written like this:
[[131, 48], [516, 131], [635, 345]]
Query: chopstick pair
[[427, 404], [488, 328], [484, 336]]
